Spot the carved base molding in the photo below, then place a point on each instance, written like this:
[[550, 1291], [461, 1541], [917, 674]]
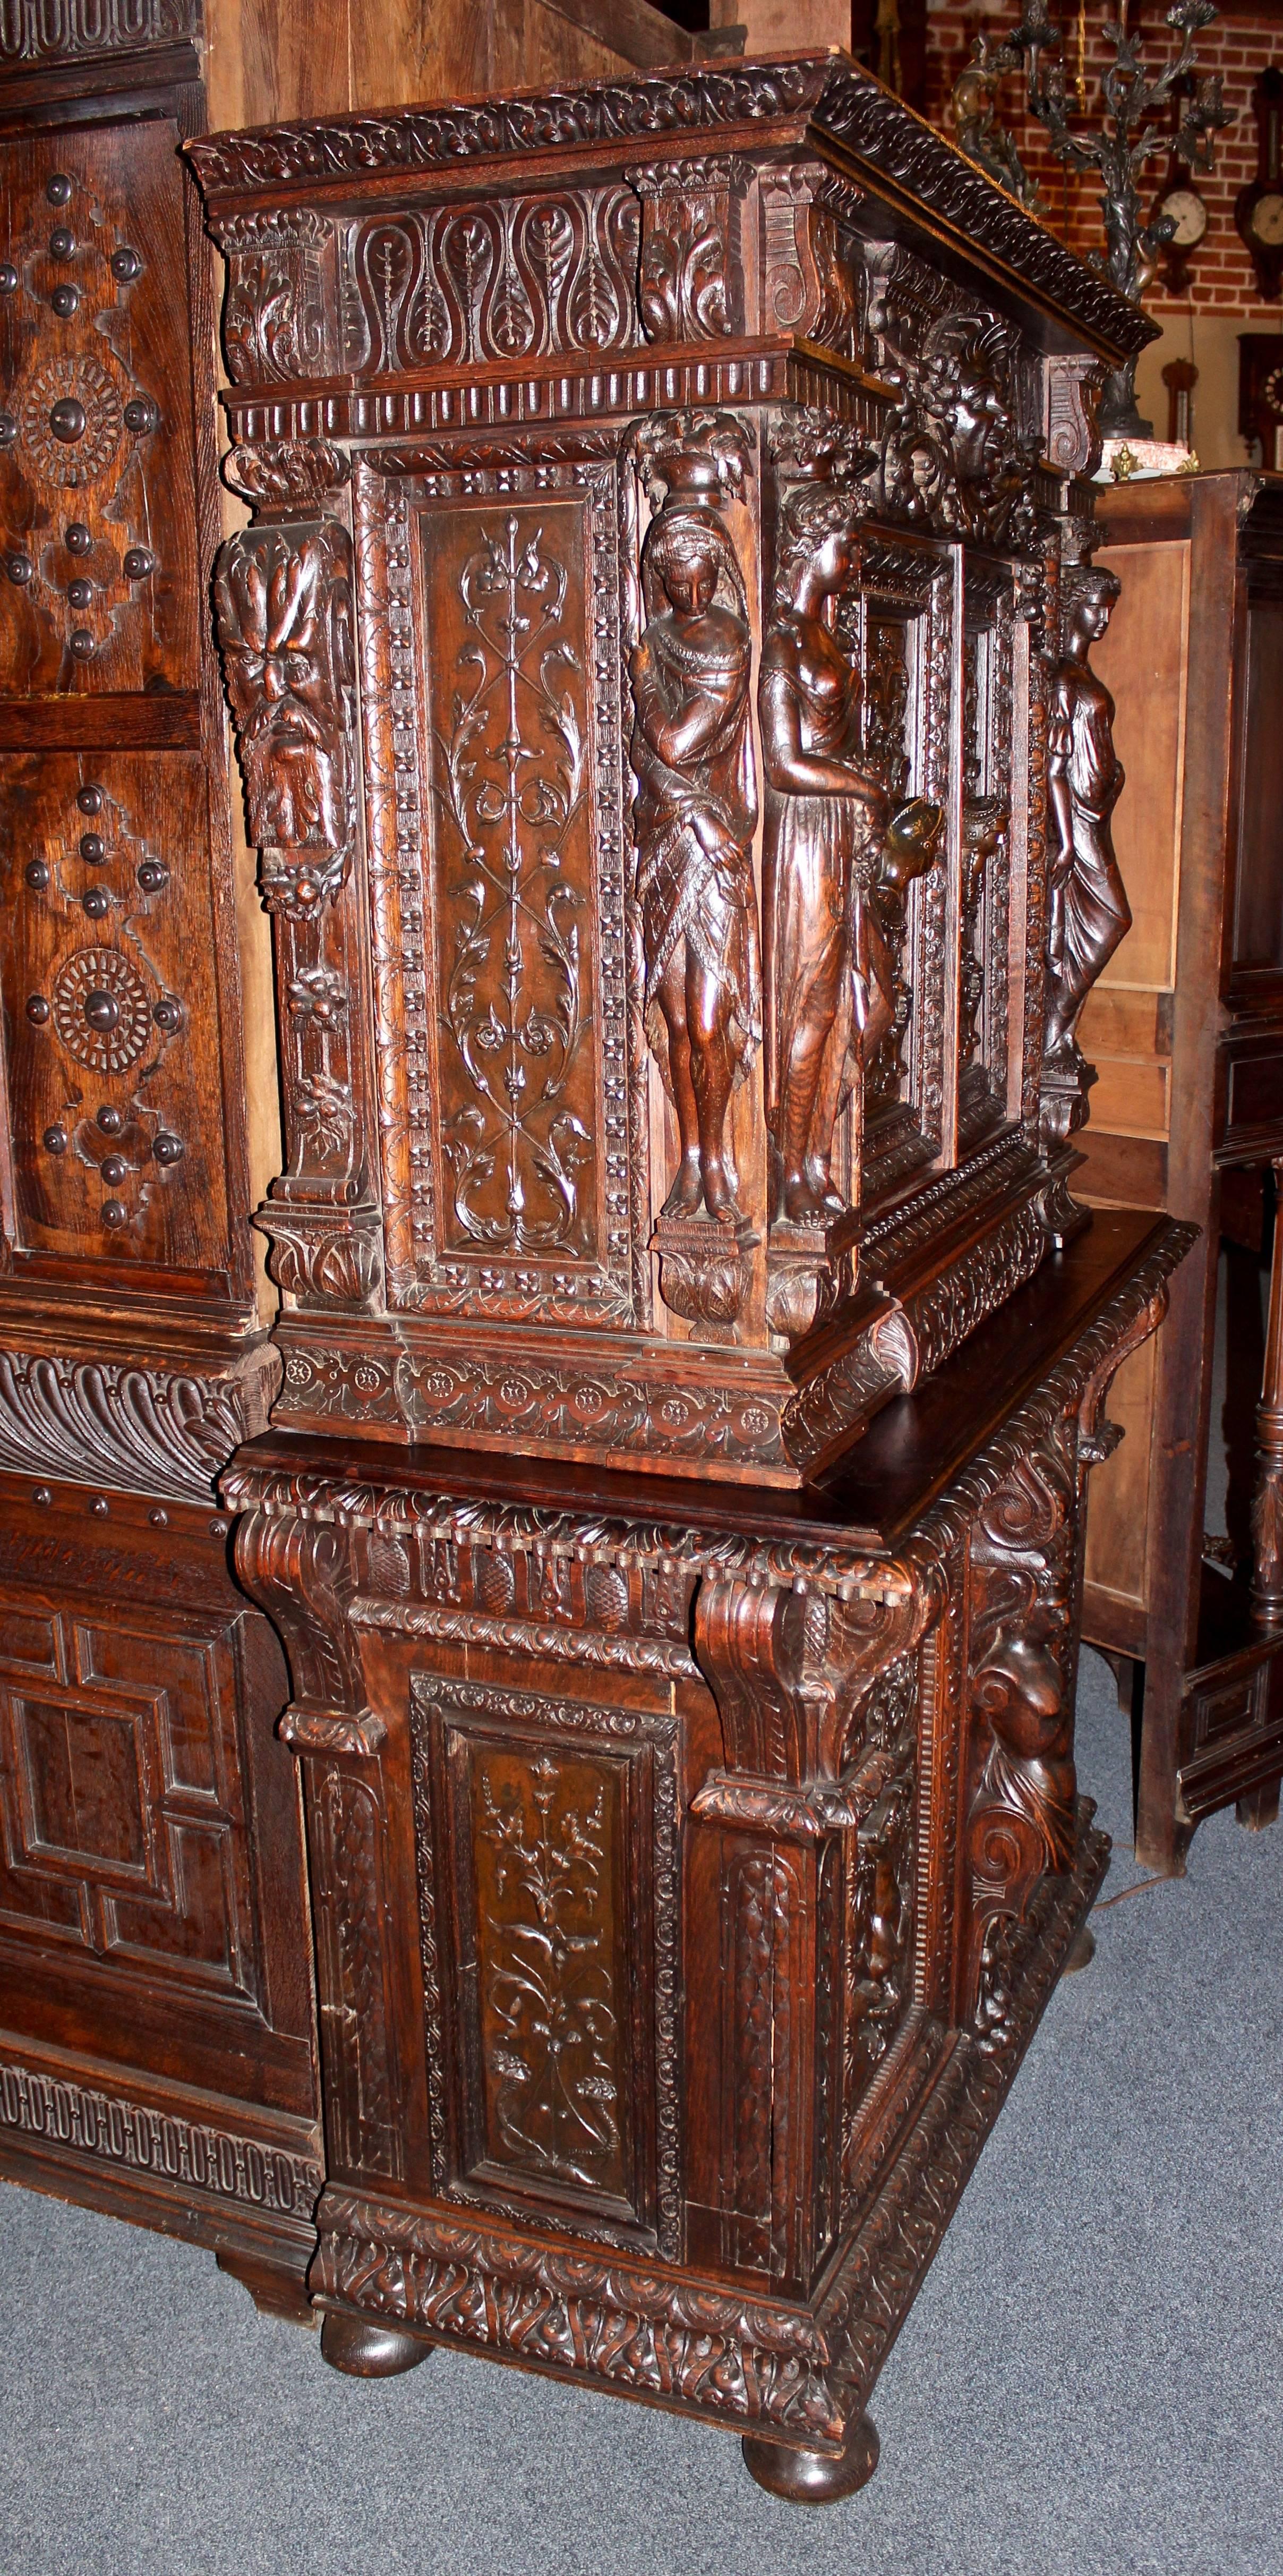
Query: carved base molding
[[103, 2146], [648, 2331]]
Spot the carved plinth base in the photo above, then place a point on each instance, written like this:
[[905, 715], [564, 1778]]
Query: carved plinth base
[[703, 1269], [365, 2350], [814, 2477], [803, 1282], [1063, 1085]]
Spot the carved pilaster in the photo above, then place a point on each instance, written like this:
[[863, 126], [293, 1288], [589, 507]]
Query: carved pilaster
[[283, 602]]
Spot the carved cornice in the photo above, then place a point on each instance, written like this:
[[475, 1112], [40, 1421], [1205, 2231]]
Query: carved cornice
[[130, 1430], [769, 103]]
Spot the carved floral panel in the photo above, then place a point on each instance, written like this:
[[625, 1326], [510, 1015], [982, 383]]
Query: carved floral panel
[[546, 1833], [503, 278], [490, 628]]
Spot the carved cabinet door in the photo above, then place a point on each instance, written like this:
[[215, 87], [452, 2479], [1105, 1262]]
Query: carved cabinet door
[[117, 974]]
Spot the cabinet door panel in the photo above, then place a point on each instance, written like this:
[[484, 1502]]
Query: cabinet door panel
[[107, 973], [97, 496]]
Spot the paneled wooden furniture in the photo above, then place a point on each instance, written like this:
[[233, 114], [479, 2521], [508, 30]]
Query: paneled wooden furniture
[[156, 2019], [661, 657], [1186, 1032]]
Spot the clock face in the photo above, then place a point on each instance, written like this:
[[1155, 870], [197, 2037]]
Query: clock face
[[1189, 214], [1265, 222], [1272, 389]]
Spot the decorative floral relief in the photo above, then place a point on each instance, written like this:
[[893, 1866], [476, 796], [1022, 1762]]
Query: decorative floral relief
[[516, 1007]]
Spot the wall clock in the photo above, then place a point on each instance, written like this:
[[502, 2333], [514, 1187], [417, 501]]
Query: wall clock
[[1258, 209], [1260, 392]]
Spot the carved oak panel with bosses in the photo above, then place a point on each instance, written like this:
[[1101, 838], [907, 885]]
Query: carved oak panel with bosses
[[546, 1834], [123, 1827], [98, 572], [489, 626], [106, 968]]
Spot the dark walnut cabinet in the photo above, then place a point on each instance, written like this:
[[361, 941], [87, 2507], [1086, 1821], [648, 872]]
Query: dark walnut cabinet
[[156, 2015], [660, 653], [1185, 1029]]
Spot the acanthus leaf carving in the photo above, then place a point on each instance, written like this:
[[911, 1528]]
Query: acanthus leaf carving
[[690, 281], [139, 1431]]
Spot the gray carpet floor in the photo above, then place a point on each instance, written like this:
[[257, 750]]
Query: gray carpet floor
[[1090, 2380]]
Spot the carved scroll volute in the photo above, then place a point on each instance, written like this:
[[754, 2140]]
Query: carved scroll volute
[[808, 257], [1023, 1818], [691, 277], [1088, 911], [1072, 388], [789, 1669], [299, 1573], [284, 612], [695, 898]]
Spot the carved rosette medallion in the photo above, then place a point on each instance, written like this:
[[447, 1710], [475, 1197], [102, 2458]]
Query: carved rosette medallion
[[92, 418], [101, 1009]]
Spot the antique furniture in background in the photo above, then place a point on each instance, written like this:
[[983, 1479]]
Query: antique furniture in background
[[156, 2018], [1260, 392], [1185, 1029], [661, 656]]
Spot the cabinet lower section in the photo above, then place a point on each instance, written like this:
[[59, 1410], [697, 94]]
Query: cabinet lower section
[[690, 1873]]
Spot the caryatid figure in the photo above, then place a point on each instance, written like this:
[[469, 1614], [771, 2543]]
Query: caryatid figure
[[695, 814], [1089, 908], [830, 992]]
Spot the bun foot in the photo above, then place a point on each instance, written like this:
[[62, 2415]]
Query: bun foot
[[368, 2350], [813, 2477], [1082, 1950]]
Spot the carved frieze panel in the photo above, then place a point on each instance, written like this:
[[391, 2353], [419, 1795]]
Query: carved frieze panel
[[97, 506], [123, 1829], [499, 907], [501, 278], [691, 278], [546, 1835], [959, 450], [106, 971]]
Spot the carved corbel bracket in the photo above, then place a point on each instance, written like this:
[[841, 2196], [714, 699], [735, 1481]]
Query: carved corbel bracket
[[691, 277], [300, 1573], [790, 1670], [1072, 387], [810, 255], [279, 313]]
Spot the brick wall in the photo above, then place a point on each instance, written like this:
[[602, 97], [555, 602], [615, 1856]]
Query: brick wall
[[1239, 47]]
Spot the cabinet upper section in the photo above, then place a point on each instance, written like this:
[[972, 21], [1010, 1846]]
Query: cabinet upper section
[[715, 204]]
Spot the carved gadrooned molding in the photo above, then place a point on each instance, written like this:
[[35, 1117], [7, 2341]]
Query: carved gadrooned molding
[[130, 1430], [813, 98]]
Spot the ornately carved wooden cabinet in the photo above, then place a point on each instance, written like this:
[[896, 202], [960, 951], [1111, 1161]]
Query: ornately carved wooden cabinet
[[1186, 1031], [660, 653], [156, 2016]]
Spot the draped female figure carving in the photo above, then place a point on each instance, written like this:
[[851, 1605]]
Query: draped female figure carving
[[1089, 908], [695, 816], [830, 989]]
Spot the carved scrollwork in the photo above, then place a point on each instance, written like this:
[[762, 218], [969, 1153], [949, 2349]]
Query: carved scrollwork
[[283, 608], [957, 451], [274, 320], [811, 258], [300, 1573]]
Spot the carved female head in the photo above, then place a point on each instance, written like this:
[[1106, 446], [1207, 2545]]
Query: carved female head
[[684, 558], [1088, 593], [814, 547]]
